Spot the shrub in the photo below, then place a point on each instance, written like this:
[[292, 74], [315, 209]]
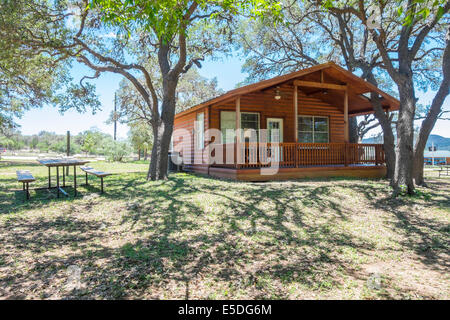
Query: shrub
[[117, 150]]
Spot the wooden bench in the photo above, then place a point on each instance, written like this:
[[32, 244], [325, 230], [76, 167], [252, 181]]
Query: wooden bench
[[100, 174], [444, 171], [25, 177]]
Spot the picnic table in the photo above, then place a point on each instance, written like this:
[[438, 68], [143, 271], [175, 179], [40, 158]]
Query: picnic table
[[64, 163], [444, 170]]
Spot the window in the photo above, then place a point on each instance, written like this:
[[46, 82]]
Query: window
[[313, 129], [227, 122], [200, 131], [249, 120]]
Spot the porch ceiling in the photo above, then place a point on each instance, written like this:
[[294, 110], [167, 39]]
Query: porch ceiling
[[357, 103]]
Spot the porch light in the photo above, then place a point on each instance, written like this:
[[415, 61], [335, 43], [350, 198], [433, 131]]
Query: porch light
[[277, 94]]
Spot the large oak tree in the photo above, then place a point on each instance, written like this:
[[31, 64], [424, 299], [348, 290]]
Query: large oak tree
[[382, 51], [405, 32], [122, 36], [311, 36]]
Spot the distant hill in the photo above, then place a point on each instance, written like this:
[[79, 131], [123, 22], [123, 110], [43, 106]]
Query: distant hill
[[442, 143], [378, 139]]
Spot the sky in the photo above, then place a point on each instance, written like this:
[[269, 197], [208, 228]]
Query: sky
[[227, 71]]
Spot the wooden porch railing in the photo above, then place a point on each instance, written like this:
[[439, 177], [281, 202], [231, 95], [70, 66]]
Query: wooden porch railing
[[287, 154]]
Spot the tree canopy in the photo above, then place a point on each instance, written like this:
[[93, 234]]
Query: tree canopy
[[31, 76]]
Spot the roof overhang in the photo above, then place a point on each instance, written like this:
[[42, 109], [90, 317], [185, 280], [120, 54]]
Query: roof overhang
[[327, 82]]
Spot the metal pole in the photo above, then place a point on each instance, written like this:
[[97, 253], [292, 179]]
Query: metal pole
[[68, 151], [432, 153], [57, 181], [115, 116], [75, 179]]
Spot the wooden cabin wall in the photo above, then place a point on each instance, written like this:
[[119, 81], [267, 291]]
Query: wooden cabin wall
[[265, 103], [181, 142]]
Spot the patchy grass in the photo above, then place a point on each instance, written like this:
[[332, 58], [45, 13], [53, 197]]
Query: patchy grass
[[196, 237]]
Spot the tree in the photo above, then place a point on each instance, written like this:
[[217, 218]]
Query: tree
[[89, 143], [117, 150], [140, 137], [192, 90], [357, 45], [367, 123], [123, 36], [431, 114], [281, 49], [92, 140], [34, 142], [405, 34], [175, 30], [31, 77]]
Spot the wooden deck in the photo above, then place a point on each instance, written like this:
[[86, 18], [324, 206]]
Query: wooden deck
[[248, 162], [247, 174]]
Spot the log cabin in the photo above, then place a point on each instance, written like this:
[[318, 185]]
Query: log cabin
[[308, 109]]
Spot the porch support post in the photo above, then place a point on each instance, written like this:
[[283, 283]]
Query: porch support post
[[296, 112], [238, 131], [295, 98], [346, 135]]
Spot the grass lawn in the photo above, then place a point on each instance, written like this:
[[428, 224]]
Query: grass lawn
[[196, 237]]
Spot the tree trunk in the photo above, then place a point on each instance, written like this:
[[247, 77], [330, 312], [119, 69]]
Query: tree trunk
[[159, 154], [389, 154], [425, 130], [388, 137], [433, 115], [162, 133], [418, 165], [145, 154], [353, 130], [388, 134], [139, 154], [405, 137]]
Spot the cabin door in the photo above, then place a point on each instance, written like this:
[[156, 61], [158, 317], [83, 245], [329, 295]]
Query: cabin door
[[275, 135]]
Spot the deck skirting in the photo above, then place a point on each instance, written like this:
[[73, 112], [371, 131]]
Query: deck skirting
[[293, 173]]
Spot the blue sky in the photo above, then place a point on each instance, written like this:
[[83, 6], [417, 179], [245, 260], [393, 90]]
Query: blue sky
[[227, 71]]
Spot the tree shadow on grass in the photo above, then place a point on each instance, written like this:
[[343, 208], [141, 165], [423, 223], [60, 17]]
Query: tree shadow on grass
[[220, 253], [257, 239], [428, 237]]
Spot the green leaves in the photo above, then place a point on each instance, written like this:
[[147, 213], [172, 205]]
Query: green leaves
[[440, 12], [417, 9], [168, 17]]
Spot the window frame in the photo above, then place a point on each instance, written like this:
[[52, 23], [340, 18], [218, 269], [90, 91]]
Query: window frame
[[243, 134], [313, 117]]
